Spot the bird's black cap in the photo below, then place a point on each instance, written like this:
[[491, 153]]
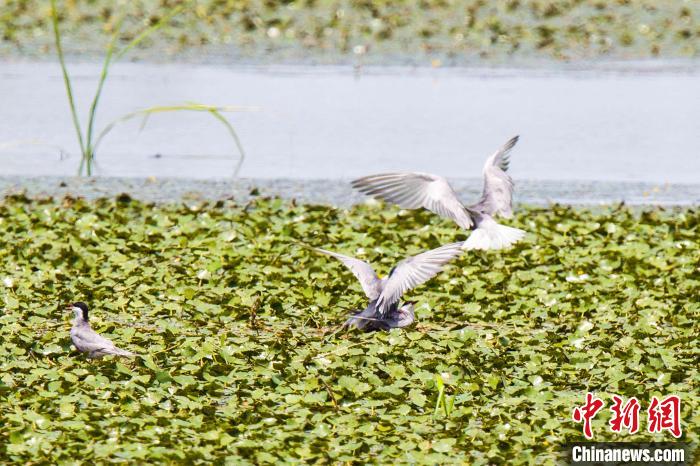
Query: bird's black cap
[[83, 307]]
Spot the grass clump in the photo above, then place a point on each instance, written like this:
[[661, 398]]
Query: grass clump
[[237, 324], [89, 142]]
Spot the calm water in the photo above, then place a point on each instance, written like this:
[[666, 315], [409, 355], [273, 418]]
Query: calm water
[[315, 122]]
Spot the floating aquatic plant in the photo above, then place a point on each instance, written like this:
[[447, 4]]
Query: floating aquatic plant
[[242, 363], [431, 32]]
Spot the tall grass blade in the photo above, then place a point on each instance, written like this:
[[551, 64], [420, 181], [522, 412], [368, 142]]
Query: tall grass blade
[[66, 77], [96, 99]]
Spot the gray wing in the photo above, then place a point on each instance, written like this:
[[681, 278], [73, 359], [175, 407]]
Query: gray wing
[[497, 196], [415, 270], [364, 272], [416, 190], [87, 340]]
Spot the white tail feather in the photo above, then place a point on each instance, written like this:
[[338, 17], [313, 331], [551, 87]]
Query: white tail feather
[[491, 236], [121, 352]]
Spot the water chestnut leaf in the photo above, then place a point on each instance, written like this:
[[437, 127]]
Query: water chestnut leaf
[[247, 365]]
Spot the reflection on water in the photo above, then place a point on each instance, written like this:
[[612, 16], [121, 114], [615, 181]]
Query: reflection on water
[[330, 123]]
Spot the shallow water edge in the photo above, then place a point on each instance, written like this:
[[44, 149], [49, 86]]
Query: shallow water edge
[[339, 192]]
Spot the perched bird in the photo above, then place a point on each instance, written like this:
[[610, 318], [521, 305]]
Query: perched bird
[[433, 192], [86, 340], [383, 311]]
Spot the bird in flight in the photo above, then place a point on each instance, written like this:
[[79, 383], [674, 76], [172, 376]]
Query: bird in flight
[[383, 311], [423, 190], [86, 340]]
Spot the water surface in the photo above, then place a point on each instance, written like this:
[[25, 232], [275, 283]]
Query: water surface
[[333, 122]]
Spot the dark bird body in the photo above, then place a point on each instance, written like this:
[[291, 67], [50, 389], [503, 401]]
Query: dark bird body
[[395, 317], [383, 311]]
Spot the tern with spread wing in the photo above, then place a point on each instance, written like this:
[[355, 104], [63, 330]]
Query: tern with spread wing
[[86, 340], [383, 311], [433, 192]]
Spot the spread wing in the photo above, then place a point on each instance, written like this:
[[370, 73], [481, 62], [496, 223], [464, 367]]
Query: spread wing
[[497, 196], [364, 272], [415, 190], [415, 270]]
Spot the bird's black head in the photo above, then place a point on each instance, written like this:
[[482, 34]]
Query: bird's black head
[[83, 307]]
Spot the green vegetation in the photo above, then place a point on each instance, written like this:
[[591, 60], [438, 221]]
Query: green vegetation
[[237, 321], [442, 30]]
